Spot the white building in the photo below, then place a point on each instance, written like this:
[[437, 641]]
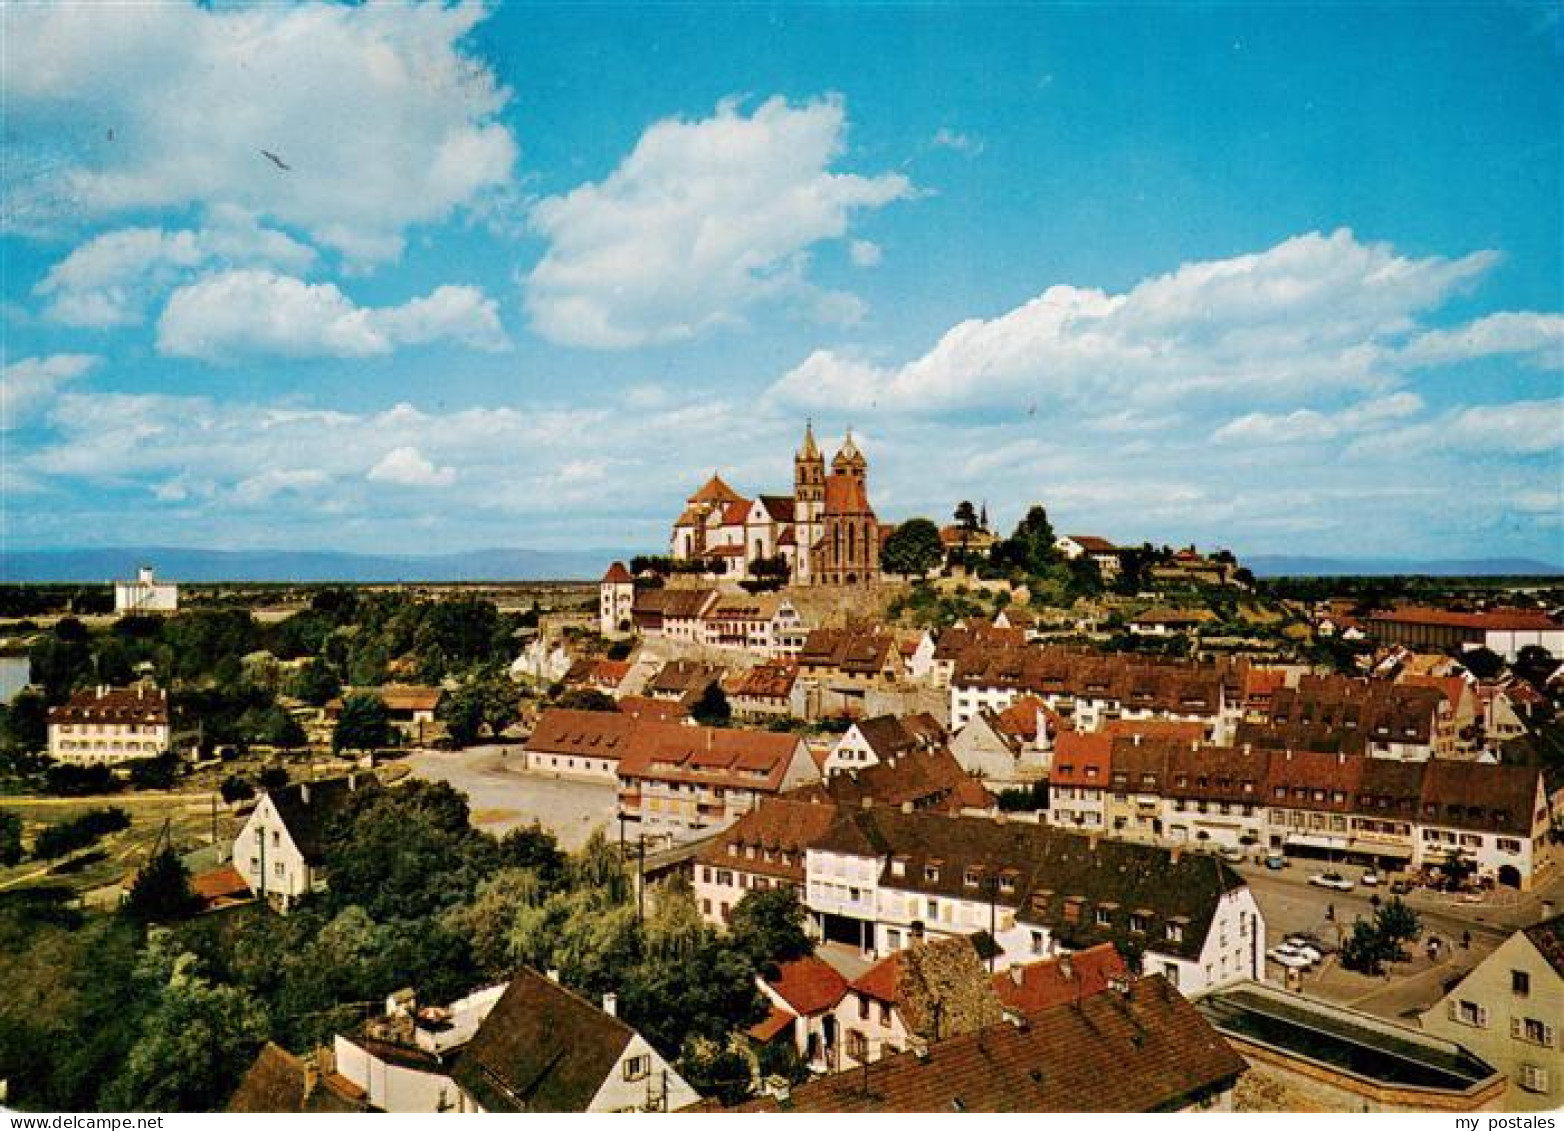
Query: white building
[[280, 851], [615, 601], [109, 725], [146, 594]]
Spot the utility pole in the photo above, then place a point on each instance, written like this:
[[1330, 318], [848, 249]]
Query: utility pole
[[640, 886]]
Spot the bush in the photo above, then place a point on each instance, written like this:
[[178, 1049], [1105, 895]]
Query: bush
[[235, 788], [67, 836], [79, 781]]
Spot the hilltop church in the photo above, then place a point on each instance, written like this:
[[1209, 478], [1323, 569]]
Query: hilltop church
[[825, 530]]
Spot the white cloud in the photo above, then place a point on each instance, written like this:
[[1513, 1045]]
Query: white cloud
[[946, 138], [1538, 337], [408, 467], [276, 481], [702, 221], [27, 386], [1312, 313], [1515, 429], [383, 117], [249, 313], [110, 279], [864, 253], [1306, 426]]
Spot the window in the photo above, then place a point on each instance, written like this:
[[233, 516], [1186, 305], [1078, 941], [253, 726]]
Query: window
[[1104, 918], [1506, 844], [973, 877], [1175, 932], [1138, 923], [1520, 983], [637, 1067], [1534, 1078], [931, 873], [1532, 1031], [863, 1008], [898, 868], [857, 1045], [1037, 942], [885, 1015], [1469, 1013]]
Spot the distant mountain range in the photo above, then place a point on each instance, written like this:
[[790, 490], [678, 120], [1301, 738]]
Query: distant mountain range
[[178, 563], [1287, 565]]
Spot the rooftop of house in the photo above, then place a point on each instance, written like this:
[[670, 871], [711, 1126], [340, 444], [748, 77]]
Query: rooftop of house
[[771, 839], [809, 985], [941, 988], [592, 734], [1144, 1050], [1030, 987], [309, 809], [138, 704], [542, 1048], [1548, 938], [923, 778], [277, 1081], [1493, 620]]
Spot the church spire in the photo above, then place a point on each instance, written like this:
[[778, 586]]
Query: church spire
[[809, 450]]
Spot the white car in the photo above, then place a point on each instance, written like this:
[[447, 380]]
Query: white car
[[1369, 879], [1284, 955], [1333, 880], [1303, 947]]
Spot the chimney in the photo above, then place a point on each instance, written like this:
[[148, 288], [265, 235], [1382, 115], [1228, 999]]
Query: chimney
[[553, 974], [304, 792], [1174, 853], [1017, 974], [352, 781], [611, 1004], [1067, 967], [906, 806]]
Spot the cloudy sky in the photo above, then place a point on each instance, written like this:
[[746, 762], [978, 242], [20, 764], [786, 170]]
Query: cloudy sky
[[418, 278]]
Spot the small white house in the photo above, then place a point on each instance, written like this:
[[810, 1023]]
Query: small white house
[[280, 852]]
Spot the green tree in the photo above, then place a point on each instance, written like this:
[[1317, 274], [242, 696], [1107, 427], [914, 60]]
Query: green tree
[[235, 789], [197, 1040], [1031, 547], [768, 927], [724, 1070], [586, 699], [966, 516], [532, 846], [364, 724], [712, 708], [315, 683], [10, 839], [1366, 950], [913, 548], [1397, 923], [162, 890], [24, 725]]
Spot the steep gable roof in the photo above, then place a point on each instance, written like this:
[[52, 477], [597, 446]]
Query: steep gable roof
[[309, 809], [1058, 981], [542, 1048], [809, 985]]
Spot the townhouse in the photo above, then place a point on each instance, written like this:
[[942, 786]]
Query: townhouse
[[868, 742], [675, 778], [882, 878], [109, 725], [1078, 782], [764, 848], [767, 623], [764, 691]]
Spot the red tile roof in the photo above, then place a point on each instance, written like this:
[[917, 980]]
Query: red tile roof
[[1059, 981], [223, 883], [656, 710], [808, 985], [1147, 1050], [592, 734], [123, 705], [617, 574], [1496, 620]]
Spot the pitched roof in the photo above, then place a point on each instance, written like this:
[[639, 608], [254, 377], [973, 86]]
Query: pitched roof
[[409, 697], [1059, 981], [745, 759], [309, 809], [772, 680], [223, 883], [1145, 1050], [120, 705], [658, 710], [542, 1048], [923, 778], [279, 1082], [852, 650], [771, 839], [1092, 544], [809, 985], [940, 984], [714, 490], [592, 734], [617, 574], [890, 735], [1495, 620], [1548, 937], [779, 508]]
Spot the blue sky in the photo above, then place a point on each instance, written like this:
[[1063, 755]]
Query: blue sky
[[1282, 278]]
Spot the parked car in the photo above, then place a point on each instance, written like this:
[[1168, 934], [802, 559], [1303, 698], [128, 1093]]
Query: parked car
[[1284, 955], [1400, 887], [1232, 855], [1303, 946], [1369, 879], [1333, 880], [1275, 861]]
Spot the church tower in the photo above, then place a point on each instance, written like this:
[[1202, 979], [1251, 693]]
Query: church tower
[[808, 500]]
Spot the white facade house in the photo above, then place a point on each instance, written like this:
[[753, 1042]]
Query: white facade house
[[403, 1060], [615, 601], [109, 725], [280, 851], [146, 594]]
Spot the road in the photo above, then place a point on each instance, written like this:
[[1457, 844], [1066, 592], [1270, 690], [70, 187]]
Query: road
[[502, 798]]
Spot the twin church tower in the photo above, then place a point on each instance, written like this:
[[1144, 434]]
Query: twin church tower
[[825, 531]]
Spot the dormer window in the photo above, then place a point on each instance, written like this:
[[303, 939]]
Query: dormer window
[[931, 873], [1138, 922], [1007, 883], [973, 877], [1175, 932], [898, 868]]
